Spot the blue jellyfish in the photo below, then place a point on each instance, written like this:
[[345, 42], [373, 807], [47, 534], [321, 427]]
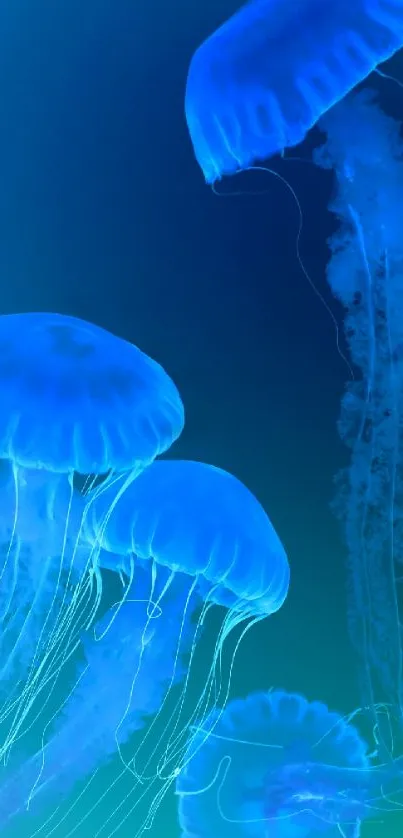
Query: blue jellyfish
[[276, 764], [130, 657], [197, 521], [75, 399], [364, 150], [263, 79], [200, 520]]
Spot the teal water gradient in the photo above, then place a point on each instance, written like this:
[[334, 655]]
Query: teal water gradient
[[104, 215]]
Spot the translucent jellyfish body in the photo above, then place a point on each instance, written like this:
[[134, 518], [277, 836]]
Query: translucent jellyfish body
[[130, 659], [195, 522], [276, 764], [364, 150], [200, 520], [264, 78], [74, 399]]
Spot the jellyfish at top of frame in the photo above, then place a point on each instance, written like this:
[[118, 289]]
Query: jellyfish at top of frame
[[74, 399], [130, 658], [259, 83], [276, 764], [195, 520]]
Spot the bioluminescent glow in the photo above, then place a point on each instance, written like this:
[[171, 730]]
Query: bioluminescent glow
[[259, 83]]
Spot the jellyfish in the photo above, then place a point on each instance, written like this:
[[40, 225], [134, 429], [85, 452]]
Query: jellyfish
[[259, 83], [198, 522], [75, 399], [364, 150], [277, 764], [129, 657]]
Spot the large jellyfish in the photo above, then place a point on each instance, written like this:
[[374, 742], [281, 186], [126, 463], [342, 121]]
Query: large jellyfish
[[77, 398], [365, 150], [275, 764], [198, 522], [263, 79], [74, 398], [131, 657]]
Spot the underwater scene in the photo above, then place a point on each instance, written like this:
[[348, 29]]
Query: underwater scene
[[201, 419]]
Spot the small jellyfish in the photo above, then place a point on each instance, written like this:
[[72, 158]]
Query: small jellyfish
[[199, 523], [75, 399], [276, 764], [264, 78]]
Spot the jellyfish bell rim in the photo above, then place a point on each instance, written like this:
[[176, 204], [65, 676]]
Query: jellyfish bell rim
[[257, 606], [142, 419], [254, 738], [222, 569], [214, 171]]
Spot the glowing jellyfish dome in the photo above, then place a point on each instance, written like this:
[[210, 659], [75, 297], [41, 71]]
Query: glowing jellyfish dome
[[198, 526], [275, 764], [259, 83], [74, 399]]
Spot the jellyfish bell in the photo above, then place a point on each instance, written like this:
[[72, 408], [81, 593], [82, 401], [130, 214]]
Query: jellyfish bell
[[195, 523], [74, 399], [199, 520], [277, 764], [263, 79], [77, 398], [39, 509]]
